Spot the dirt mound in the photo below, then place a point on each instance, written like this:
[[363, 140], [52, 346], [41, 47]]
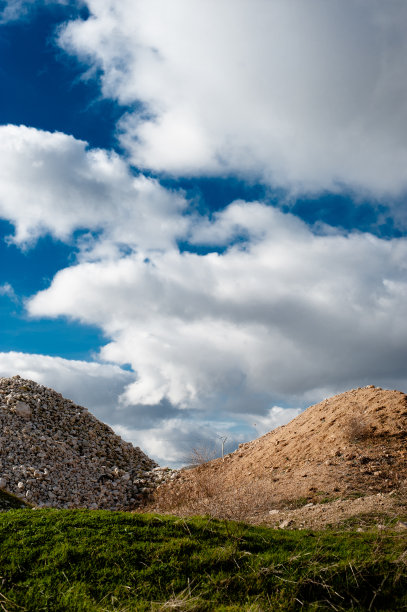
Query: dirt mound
[[348, 446], [55, 453]]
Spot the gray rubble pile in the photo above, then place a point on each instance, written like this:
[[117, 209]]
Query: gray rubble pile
[[55, 453]]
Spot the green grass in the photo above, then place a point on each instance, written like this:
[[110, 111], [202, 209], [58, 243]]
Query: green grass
[[55, 560]]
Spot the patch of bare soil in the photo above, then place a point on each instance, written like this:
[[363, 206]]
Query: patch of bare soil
[[342, 458], [381, 510]]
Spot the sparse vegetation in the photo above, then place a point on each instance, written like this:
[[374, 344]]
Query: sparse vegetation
[[358, 429], [56, 560], [208, 494], [200, 455], [351, 445], [298, 502], [320, 497]]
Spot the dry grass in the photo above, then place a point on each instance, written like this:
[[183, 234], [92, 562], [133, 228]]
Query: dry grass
[[358, 429], [205, 493], [349, 445], [200, 455], [183, 601]]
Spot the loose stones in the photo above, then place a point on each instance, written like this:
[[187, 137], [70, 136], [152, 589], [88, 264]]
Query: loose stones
[[55, 453]]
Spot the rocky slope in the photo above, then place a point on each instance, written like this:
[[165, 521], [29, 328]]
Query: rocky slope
[[351, 445], [55, 453]]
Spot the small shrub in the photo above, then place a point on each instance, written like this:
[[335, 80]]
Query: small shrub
[[200, 455], [296, 503], [358, 429], [206, 493]]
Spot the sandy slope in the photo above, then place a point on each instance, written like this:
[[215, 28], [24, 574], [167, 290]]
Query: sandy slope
[[353, 444]]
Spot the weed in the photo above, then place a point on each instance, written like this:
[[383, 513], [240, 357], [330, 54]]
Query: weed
[[200, 455], [206, 493], [294, 504], [184, 601], [329, 499], [358, 429]]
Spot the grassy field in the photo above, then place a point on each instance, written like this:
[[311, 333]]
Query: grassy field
[[98, 560]]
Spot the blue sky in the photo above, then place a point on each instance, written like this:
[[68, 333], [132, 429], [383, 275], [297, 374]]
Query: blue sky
[[203, 209]]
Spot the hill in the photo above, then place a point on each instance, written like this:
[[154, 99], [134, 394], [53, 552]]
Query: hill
[[349, 449], [55, 453]]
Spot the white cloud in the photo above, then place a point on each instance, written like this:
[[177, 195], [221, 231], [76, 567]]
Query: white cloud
[[7, 290], [307, 95], [165, 434], [172, 441], [274, 417], [152, 302], [53, 183], [279, 319], [93, 385], [16, 9]]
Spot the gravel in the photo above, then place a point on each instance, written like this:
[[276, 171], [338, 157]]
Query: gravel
[[54, 453]]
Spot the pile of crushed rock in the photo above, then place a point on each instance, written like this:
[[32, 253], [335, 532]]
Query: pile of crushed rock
[[54, 453]]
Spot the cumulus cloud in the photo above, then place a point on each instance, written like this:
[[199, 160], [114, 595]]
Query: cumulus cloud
[[7, 290], [94, 385], [162, 431], [15, 9], [11, 10], [174, 440], [304, 96], [308, 96], [53, 183], [275, 417], [285, 314]]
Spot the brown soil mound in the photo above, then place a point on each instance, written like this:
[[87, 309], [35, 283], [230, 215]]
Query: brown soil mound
[[351, 445]]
